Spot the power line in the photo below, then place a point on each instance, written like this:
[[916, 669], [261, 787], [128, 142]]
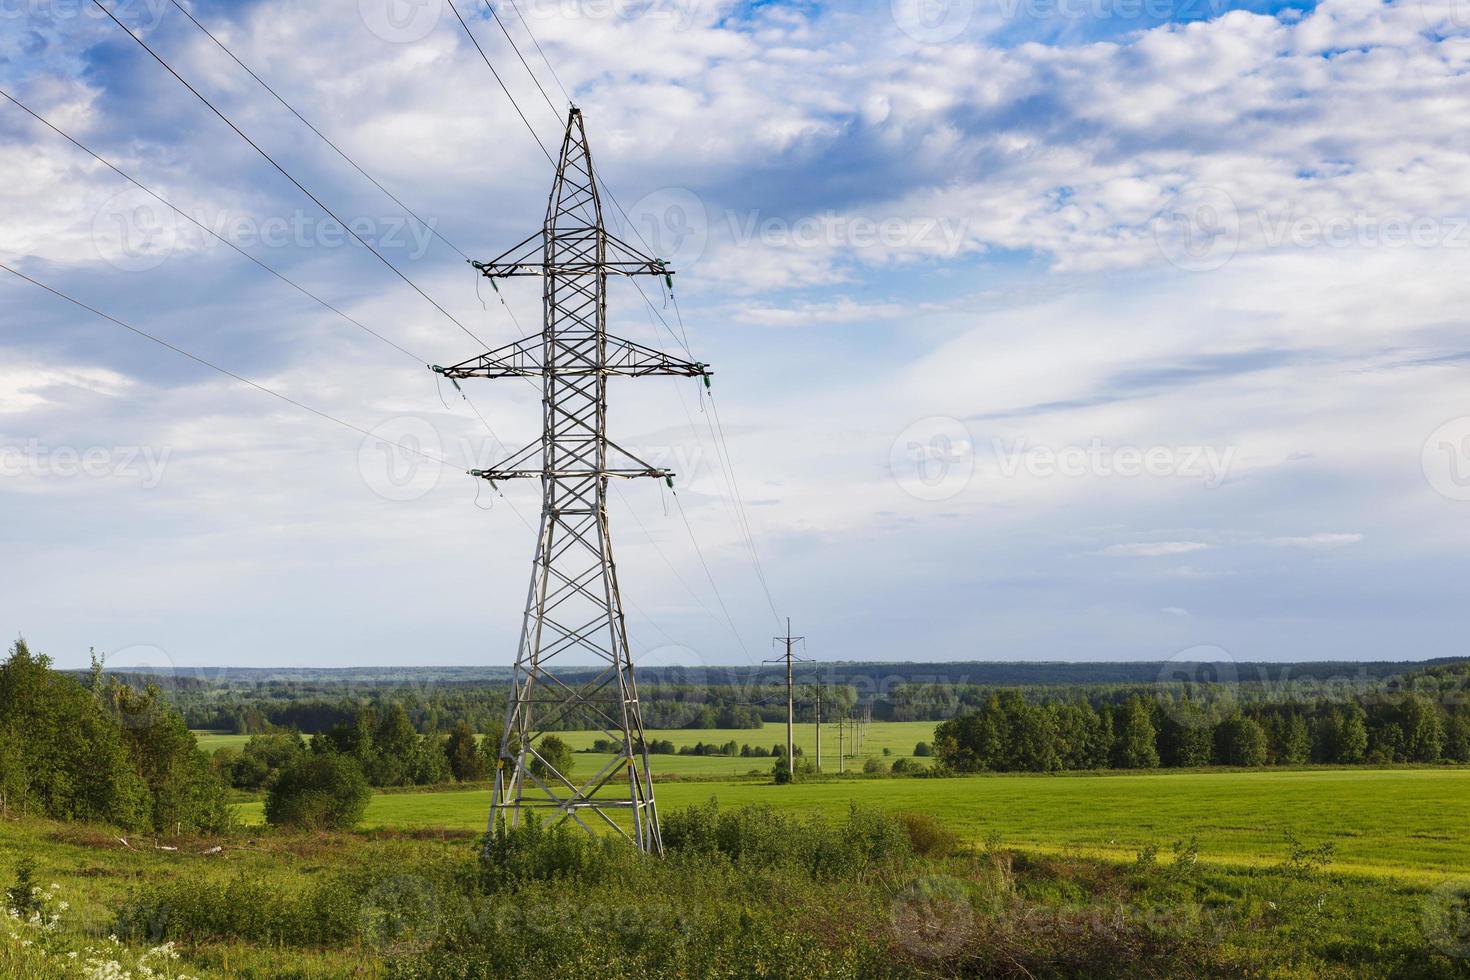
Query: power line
[[740, 506], [486, 58], [677, 575], [547, 60], [707, 573], [205, 228], [285, 173], [215, 367], [429, 226], [307, 123], [549, 104], [279, 275]]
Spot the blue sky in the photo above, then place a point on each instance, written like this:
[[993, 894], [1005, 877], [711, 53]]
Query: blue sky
[[1096, 329]]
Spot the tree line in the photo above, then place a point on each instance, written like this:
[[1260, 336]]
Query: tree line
[[1011, 733]]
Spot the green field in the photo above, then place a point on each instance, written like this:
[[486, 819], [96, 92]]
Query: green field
[[213, 741], [1411, 825]]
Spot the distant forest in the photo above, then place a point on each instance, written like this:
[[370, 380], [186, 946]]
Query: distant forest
[[310, 701]]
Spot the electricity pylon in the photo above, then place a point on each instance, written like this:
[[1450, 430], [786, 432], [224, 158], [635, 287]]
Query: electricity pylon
[[574, 608]]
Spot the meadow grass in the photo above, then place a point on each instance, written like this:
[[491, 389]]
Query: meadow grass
[[1407, 824], [898, 737]]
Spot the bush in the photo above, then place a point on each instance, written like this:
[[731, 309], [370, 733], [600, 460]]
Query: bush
[[761, 836], [320, 791], [873, 765], [929, 837], [536, 851], [922, 750]]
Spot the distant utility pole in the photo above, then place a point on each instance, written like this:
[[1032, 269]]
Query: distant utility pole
[[819, 725], [840, 720], [790, 642]]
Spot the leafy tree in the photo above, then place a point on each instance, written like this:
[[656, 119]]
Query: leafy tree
[[1295, 746], [186, 793], [465, 760], [1387, 743], [1186, 737], [1240, 741], [1457, 737], [556, 753], [1353, 744], [319, 791], [1135, 746], [1423, 732], [64, 756]]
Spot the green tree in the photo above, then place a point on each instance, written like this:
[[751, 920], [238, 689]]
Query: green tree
[[1352, 746], [319, 791], [64, 756], [1240, 741], [1135, 745], [1423, 731], [465, 760], [1186, 737], [556, 753], [1457, 736], [186, 792], [1295, 747]]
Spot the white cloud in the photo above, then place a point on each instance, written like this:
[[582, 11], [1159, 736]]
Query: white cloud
[[1154, 549], [1317, 541]]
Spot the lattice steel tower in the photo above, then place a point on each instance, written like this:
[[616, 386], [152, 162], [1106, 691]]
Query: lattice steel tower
[[574, 609]]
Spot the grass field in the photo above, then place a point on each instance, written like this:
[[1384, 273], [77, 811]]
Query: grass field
[[898, 737], [1410, 825]]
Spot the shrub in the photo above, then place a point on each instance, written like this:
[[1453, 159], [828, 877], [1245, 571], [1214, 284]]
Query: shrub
[[922, 750], [536, 851], [761, 836], [929, 837], [319, 791]]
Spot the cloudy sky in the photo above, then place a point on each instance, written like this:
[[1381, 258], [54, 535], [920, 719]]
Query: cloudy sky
[[1042, 329]]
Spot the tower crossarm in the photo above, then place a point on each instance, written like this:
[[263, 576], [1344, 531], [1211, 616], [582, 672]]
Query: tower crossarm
[[528, 463], [526, 358], [618, 259]]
